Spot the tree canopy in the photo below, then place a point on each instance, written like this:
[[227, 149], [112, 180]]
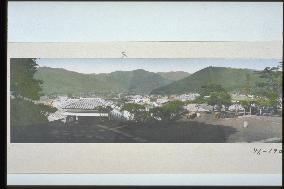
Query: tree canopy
[[214, 94], [170, 111], [25, 89], [219, 98], [138, 110], [133, 107], [23, 83], [271, 86]]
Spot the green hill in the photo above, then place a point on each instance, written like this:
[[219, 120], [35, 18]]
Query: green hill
[[61, 81], [174, 76], [230, 78]]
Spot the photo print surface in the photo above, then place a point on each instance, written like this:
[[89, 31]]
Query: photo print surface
[[145, 100]]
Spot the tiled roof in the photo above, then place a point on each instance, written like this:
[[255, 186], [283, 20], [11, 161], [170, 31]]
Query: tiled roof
[[86, 104]]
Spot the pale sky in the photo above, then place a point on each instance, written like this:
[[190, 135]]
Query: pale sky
[[144, 21], [96, 65]]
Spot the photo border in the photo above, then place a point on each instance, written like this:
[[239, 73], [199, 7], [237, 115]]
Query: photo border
[[3, 48]]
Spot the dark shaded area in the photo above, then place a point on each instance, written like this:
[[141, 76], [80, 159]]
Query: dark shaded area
[[181, 132], [24, 112], [121, 132]]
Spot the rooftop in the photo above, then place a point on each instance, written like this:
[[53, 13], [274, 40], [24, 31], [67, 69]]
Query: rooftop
[[86, 104]]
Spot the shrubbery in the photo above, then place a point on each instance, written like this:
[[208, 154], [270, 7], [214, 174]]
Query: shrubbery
[[24, 112]]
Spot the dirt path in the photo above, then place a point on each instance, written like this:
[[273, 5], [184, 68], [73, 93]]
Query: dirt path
[[259, 128]]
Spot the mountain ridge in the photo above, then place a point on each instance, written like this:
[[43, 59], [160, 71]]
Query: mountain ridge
[[140, 81], [174, 75], [60, 80], [229, 78]]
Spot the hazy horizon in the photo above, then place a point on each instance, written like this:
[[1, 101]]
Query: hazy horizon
[[190, 65], [114, 71]]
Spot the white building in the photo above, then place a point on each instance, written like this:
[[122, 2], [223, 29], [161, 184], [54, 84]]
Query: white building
[[127, 115], [85, 107], [118, 114], [58, 115], [185, 97], [198, 107], [236, 107], [163, 100], [138, 99]]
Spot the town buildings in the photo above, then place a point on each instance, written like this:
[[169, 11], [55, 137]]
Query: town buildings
[[95, 107]]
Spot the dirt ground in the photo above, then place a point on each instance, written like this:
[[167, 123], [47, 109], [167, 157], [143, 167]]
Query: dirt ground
[[259, 128], [204, 129]]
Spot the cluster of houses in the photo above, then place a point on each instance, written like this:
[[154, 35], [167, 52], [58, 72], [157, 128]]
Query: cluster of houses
[[70, 109], [73, 109], [159, 100]]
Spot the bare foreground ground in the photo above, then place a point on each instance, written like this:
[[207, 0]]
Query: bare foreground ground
[[200, 130]]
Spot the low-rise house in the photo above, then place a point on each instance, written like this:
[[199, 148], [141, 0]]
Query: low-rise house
[[86, 107], [154, 104], [121, 115], [217, 108], [116, 114], [163, 100], [58, 115], [198, 107], [191, 107], [185, 97], [240, 97], [138, 99], [236, 107], [205, 108], [127, 115]]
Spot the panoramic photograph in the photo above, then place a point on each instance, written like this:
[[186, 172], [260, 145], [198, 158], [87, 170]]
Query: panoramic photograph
[[151, 100]]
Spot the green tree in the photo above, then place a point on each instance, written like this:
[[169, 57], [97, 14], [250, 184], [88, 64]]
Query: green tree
[[262, 102], [271, 85], [104, 108], [23, 83], [247, 104], [26, 89], [133, 107], [247, 87], [219, 98], [138, 110], [169, 111], [217, 95]]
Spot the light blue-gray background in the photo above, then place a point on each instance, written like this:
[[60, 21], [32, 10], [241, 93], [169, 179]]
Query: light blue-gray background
[[146, 179], [142, 21]]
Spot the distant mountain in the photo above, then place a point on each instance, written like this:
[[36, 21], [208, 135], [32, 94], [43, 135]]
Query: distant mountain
[[58, 80], [230, 78], [174, 76]]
